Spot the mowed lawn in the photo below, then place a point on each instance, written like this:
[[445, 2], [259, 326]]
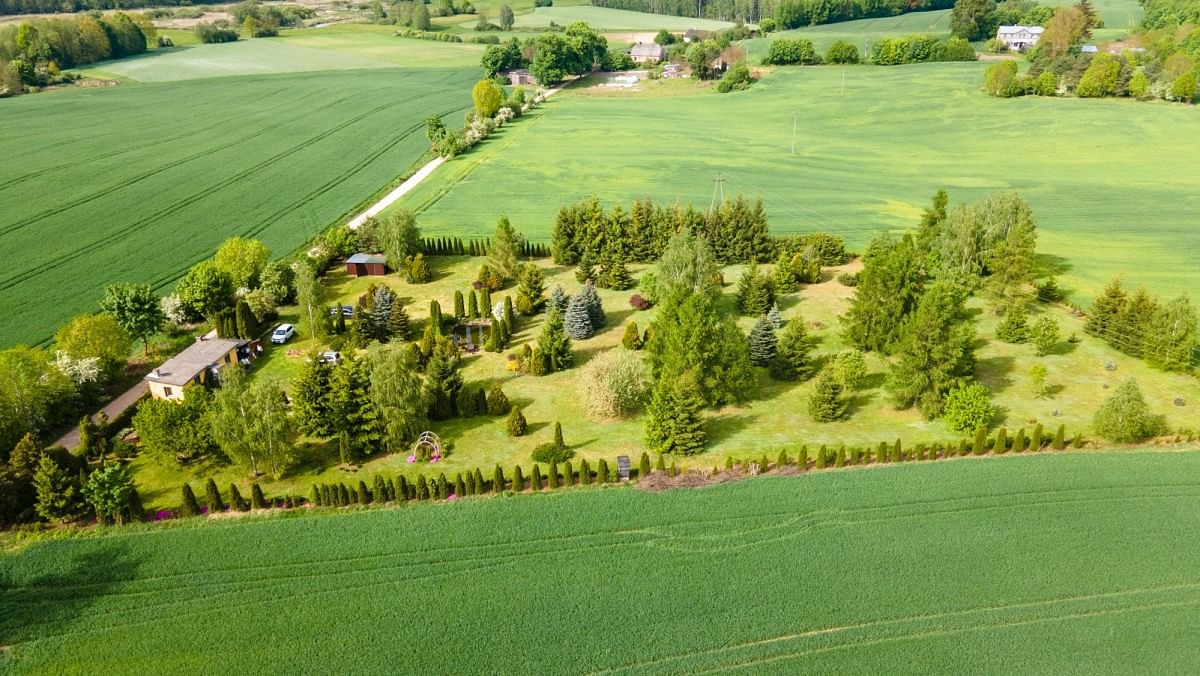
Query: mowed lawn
[[775, 418], [1112, 188], [860, 33], [139, 181], [1060, 563]]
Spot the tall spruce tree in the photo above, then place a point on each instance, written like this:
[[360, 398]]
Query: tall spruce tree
[[1102, 319], [827, 402], [559, 300], [674, 423], [443, 379], [889, 287], [594, 307], [505, 249], [613, 272], [531, 289], [352, 410], [695, 337], [936, 351], [792, 354], [577, 322], [763, 343], [553, 345], [309, 398], [755, 292]]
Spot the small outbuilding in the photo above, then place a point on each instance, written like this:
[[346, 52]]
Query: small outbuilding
[[521, 76], [647, 52], [694, 35], [362, 265]]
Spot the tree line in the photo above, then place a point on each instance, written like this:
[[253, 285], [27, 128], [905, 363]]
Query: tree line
[[35, 51], [785, 13], [550, 57]]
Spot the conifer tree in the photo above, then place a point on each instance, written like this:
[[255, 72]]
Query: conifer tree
[[236, 501], [602, 471], [551, 475], [1059, 442], [888, 289], [559, 300], [644, 465], [510, 318], [1019, 442], [792, 361], [518, 482], [465, 404], [613, 272], [1035, 441], [443, 486], [586, 269], [827, 403], [422, 492], [775, 316], [473, 305], [364, 495], [1102, 320], [190, 507], [1015, 326], [1001, 443], [577, 322], [379, 489], [480, 486], [554, 346], [694, 336], [755, 292], [936, 351], [674, 424], [327, 499], [257, 501], [460, 486], [531, 289], [568, 474], [460, 306], [594, 307], [980, 446], [497, 402], [516, 424], [1170, 340], [443, 379], [897, 452], [212, 496], [314, 496], [498, 480], [661, 464], [802, 458], [763, 343], [585, 472], [309, 398], [821, 453]]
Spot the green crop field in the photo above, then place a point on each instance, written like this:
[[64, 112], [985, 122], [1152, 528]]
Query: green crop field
[[139, 181], [869, 153], [1062, 563], [603, 18], [860, 33]]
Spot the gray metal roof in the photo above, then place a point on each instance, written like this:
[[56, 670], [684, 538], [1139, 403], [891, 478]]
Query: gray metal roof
[[650, 49], [367, 258], [185, 366]]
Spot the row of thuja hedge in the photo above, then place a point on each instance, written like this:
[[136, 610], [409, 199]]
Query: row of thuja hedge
[[471, 483]]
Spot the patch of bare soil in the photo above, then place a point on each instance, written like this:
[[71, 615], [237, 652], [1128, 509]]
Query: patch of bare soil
[[207, 17], [692, 478]]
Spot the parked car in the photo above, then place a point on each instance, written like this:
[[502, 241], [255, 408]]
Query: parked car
[[330, 357], [347, 310], [283, 333]]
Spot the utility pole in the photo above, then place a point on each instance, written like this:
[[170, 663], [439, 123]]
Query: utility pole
[[718, 190], [795, 121], [843, 80]]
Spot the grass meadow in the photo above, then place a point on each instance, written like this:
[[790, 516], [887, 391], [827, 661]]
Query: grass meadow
[[775, 418], [603, 18], [1111, 186], [1054, 563], [139, 181]]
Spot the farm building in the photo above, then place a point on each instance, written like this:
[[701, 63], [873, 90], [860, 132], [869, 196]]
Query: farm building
[[199, 364], [647, 52], [1019, 38], [694, 35], [520, 76], [362, 265]]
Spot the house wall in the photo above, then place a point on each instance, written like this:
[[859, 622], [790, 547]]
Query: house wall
[[168, 392]]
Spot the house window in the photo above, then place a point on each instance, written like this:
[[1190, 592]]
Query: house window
[[166, 392]]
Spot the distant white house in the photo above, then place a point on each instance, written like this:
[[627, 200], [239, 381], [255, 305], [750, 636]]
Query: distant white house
[[1019, 38], [647, 52]]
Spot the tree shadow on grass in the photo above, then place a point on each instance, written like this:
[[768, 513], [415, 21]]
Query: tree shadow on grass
[[1049, 265], [724, 427], [996, 373], [41, 605]]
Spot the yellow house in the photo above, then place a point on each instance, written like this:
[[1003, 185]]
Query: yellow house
[[199, 364]]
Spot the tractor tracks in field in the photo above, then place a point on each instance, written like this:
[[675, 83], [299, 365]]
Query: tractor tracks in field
[[46, 266]]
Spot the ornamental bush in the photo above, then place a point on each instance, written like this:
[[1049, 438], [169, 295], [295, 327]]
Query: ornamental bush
[[969, 407], [516, 424], [1125, 417]]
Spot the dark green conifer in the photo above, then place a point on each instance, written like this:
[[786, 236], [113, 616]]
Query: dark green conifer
[[314, 496], [479, 484], [257, 501], [802, 459], [644, 465], [364, 495], [1001, 443], [980, 446], [535, 481], [518, 483], [602, 471], [1035, 442], [568, 474], [190, 506], [498, 480], [212, 496], [821, 452], [1019, 442], [1059, 442], [460, 486], [585, 473], [422, 487], [552, 476]]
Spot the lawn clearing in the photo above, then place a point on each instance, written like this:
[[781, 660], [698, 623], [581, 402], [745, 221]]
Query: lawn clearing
[[775, 418], [1050, 563], [140, 181], [868, 157], [860, 33]]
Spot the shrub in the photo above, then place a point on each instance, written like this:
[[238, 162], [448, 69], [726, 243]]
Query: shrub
[[827, 403], [632, 338], [497, 402], [1001, 443], [1020, 443], [980, 445], [842, 51], [257, 501], [785, 52], [969, 407], [553, 451], [516, 424], [1124, 417], [213, 496], [189, 507], [736, 78], [1059, 442], [639, 302], [585, 473], [613, 383], [236, 501]]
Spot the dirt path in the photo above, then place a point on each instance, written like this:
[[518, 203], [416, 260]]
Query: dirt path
[[415, 180]]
